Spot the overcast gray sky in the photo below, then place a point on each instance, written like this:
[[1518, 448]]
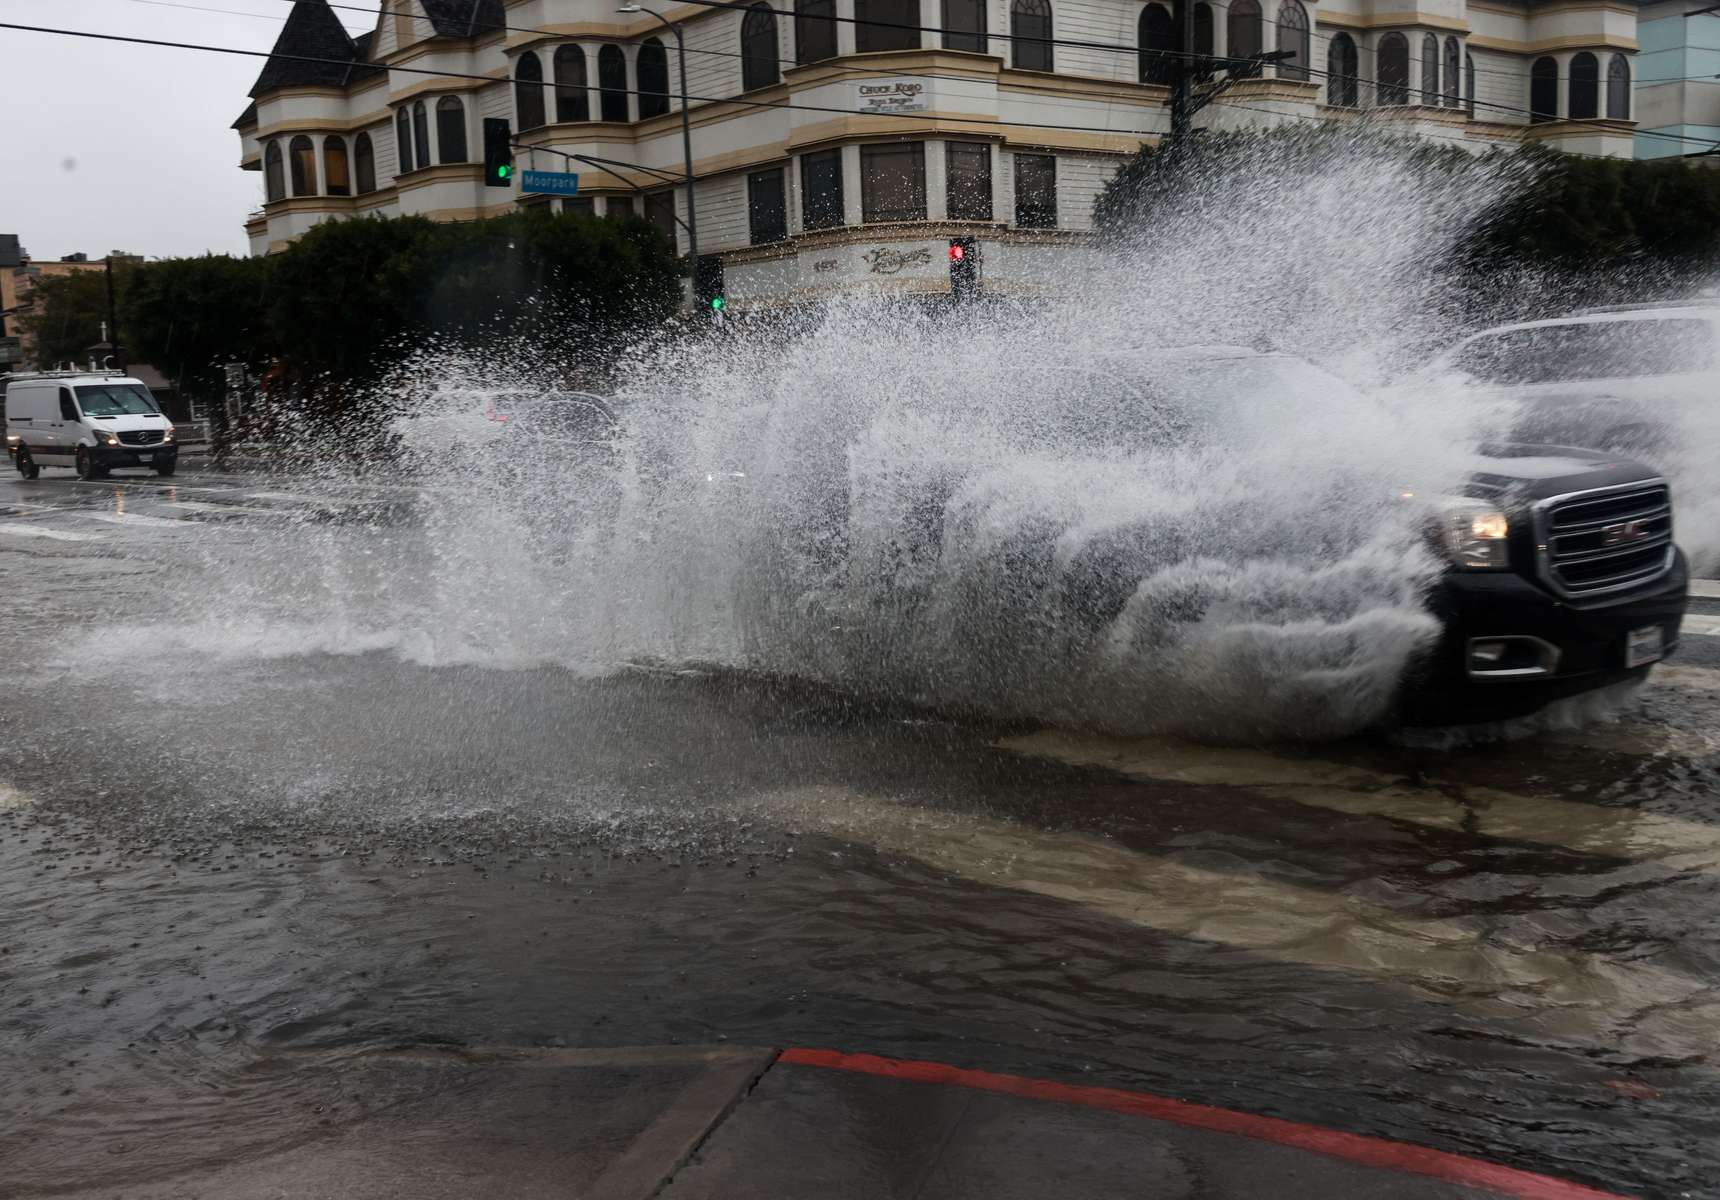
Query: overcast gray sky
[[106, 146]]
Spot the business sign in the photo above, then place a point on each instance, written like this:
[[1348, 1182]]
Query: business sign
[[892, 95], [550, 183]]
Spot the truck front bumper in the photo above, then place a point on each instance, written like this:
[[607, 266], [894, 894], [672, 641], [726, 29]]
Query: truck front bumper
[[1552, 649]]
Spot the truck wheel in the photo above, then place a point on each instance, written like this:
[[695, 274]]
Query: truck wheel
[[166, 468], [86, 464], [26, 465]]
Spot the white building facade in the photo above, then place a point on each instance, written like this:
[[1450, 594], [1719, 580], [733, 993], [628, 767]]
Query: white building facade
[[837, 142]]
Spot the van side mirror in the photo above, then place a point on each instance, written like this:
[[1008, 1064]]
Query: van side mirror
[[68, 407]]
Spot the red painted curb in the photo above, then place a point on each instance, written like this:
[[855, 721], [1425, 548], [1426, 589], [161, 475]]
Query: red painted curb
[[1350, 1147]]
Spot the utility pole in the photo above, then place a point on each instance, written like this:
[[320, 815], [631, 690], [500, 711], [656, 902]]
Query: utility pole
[[118, 354], [1182, 74], [1189, 67]]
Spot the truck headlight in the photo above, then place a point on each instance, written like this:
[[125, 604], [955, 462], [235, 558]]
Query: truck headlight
[[107, 437], [1476, 537], [168, 436]]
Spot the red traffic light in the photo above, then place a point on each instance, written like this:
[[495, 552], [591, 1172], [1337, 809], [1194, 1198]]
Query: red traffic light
[[957, 252]]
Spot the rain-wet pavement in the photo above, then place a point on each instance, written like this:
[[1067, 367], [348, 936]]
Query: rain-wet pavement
[[222, 862]]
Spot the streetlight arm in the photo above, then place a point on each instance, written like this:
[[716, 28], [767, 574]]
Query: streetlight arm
[[692, 221]]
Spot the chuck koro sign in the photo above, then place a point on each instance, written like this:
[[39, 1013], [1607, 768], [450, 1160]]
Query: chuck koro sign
[[891, 95]]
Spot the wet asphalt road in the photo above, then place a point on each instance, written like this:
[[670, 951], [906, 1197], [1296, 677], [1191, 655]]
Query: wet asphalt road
[[221, 845]]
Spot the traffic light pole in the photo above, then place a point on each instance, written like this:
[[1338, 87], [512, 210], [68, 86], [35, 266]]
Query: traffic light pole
[[686, 139]]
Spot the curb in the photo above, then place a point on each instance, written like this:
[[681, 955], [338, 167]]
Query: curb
[[1348, 1147]]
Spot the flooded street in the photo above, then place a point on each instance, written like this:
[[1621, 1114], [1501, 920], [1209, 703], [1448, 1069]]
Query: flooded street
[[239, 835]]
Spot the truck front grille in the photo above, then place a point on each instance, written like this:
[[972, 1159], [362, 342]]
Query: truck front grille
[[1593, 544], [140, 437]]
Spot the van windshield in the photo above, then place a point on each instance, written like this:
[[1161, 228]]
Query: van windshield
[[116, 400], [1589, 350]]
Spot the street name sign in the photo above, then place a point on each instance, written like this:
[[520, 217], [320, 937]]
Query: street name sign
[[550, 183]]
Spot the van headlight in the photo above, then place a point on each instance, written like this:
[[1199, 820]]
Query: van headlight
[[107, 437], [1475, 537], [168, 436]]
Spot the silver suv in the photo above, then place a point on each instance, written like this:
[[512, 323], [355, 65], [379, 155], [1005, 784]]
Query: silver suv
[[1637, 378]]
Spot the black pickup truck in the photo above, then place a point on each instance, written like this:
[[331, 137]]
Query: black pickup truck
[[1583, 586], [1148, 528]]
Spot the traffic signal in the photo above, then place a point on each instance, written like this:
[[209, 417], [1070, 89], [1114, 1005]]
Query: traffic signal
[[708, 284], [498, 153], [964, 268]]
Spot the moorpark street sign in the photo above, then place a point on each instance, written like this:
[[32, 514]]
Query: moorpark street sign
[[550, 183]]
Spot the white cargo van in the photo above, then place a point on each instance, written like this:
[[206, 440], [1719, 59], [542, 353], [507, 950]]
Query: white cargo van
[[91, 423]]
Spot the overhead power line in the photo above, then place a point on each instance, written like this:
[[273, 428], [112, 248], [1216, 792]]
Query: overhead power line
[[739, 101]]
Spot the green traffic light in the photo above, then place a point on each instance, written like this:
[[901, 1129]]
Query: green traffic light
[[504, 172], [718, 303]]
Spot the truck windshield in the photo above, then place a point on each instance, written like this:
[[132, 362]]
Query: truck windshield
[[116, 400], [1589, 350]]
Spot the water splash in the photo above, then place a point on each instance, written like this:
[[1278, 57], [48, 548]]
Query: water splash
[[1061, 508]]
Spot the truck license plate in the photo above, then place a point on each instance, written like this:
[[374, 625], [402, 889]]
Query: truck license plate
[[1645, 645], [144, 458]]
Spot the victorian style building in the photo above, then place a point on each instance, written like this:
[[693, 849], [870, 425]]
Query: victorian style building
[[840, 141]]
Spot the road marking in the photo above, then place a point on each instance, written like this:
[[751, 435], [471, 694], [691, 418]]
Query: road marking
[[197, 506], [11, 799], [1630, 1008], [139, 519], [1705, 679], [296, 498], [1705, 589], [57, 535], [1359, 791], [1704, 625]]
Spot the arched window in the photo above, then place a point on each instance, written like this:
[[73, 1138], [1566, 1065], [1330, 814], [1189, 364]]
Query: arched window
[[450, 130], [758, 48], [421, 134], [653, 69], [1030, 26], [1429, 70], [1204, 41], [528, 91], [612, 83], [886, 25], [335, 173], [364, 163], [1393, 69], [1293, 36], [814, 30], [964, 25], [1618, 88], [571, 101], [1584, 103], [274, 173], [1469, 84], [1242, 29], [302, 163], [1157, 35], [1453, 59], [1341, 71], [1543, 91], [403, 140]]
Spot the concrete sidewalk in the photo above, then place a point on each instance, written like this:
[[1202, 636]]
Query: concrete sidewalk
[[721, 1123]]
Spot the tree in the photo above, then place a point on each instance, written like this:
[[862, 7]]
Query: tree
[[189, 317], [66, 314]]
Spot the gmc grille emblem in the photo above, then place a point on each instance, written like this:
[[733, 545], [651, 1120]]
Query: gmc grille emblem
[[1624, 533]]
